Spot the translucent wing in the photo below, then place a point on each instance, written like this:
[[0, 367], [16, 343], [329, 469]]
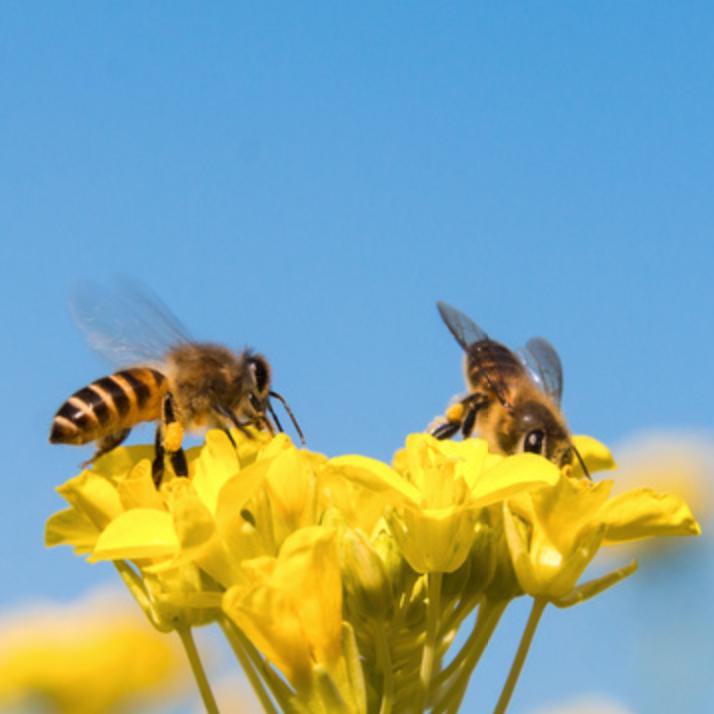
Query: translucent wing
[[125, 322], [543, 364], [462, 327]]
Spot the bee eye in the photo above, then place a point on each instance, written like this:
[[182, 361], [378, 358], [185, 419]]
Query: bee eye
[[534, 441], [260, 373]]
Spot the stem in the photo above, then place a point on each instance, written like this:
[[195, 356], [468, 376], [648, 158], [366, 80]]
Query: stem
[[428, 655], [198, 672], [385, 664], [460, 613], [526, 639], [454, 680], [250, 668]]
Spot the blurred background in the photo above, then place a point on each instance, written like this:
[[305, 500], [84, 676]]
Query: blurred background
[[308, 179]]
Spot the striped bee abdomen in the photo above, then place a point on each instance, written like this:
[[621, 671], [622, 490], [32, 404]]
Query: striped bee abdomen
[[109, 405]]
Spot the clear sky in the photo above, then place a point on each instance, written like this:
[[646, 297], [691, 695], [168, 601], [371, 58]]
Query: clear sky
[[309, 178]]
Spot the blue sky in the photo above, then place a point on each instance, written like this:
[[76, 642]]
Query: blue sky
[[309, 179]]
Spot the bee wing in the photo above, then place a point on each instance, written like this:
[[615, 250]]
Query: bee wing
[[462, 327], [543, 364], [125, 322]]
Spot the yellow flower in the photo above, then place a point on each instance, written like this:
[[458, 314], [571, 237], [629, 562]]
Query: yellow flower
[[554, 533], [323, 574], [91, 657], [238, 502], [436, 489], [292, 611], [595, 454]]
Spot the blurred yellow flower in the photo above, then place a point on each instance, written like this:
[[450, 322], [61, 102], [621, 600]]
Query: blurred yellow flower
[[94, 656], [677, 462], [587, 704]]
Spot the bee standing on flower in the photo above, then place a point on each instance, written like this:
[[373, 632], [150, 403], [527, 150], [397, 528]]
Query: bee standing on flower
[[514, 397], [180, 383]]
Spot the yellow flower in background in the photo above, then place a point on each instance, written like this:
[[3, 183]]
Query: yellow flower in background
[[587, 704], [677, 462], [436, 490], [95, 656]]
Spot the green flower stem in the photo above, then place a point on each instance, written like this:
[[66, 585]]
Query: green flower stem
[[384, 659], [428, 655], [459, 613], [138, 591], [526, 639], [454, 680], [199, 673], [249, 667]]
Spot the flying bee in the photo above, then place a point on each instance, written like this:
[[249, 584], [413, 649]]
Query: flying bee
[[175, 381], [514, 397]]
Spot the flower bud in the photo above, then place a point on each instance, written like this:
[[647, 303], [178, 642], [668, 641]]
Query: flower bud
[[368, 593], [400, 575], [503, 583]]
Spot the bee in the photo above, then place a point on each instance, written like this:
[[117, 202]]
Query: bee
[[174, 381], [514, 397]]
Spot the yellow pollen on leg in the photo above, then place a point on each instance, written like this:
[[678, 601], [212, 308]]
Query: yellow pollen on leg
[[173, 436], [455, 413]]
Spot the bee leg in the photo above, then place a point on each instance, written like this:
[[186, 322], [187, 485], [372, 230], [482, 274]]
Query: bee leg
[[157, 465], [172, 435], [445, 430], [227, 432], [179, 463], [461, 416], [107, 443], [233, 419], [468, 424], [473, 403]]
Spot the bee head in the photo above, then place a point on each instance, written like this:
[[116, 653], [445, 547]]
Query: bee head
[[261, 393], [536, 428], [259, 371]]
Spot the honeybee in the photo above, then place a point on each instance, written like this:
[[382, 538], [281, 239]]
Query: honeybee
[[514, 397], [175, 381]]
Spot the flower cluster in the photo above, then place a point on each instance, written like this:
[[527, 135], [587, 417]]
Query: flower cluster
[[341, 583]]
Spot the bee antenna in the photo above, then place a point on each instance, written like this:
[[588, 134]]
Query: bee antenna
[[275, 417], [290, 414], [582, 462]]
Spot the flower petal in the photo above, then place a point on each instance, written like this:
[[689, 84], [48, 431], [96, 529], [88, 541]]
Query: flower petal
[[216, 463], [434, 541], [595, 454], [375, 476], [70, 527], [513, 475], [643, 513], [93, 495], [139, 533], [138, 489]]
